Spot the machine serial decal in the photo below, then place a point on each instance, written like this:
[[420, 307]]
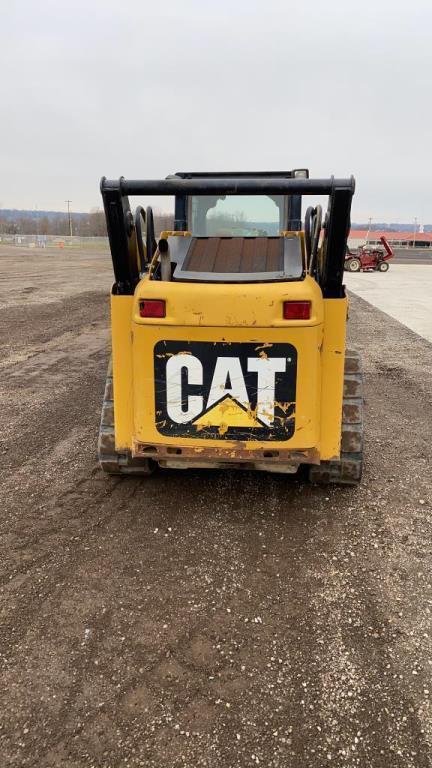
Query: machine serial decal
[[224, 390]]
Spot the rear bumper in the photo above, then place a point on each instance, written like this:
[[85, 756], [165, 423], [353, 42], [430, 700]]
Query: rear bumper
[[268, 459]]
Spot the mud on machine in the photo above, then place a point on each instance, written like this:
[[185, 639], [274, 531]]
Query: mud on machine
[[228, 334]]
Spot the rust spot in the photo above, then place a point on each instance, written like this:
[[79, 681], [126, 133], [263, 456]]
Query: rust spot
[[230, 452]]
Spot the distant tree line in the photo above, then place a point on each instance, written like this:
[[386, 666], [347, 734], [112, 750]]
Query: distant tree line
[[91, 224], [28, 223]]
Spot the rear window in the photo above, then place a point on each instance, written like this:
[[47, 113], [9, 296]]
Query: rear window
[[237, 215]]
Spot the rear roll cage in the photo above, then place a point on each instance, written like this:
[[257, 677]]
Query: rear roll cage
[[121, 228]]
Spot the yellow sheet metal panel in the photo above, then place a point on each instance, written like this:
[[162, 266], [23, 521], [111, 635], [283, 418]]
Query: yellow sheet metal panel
[[148, 428], [319, 344], [121, 333], [333, 359], [246, 305]]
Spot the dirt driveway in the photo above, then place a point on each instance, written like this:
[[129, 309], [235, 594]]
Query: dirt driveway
[[204, 619]]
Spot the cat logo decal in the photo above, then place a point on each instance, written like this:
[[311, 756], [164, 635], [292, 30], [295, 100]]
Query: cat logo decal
[[225, 390]]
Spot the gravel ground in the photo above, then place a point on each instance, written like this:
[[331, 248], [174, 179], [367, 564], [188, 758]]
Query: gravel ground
[[215, 619]]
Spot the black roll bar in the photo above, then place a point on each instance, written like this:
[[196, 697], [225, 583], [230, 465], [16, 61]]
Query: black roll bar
[[226, 186], [122, 236]]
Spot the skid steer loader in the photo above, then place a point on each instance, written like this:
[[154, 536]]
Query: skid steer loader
[[228, 334]]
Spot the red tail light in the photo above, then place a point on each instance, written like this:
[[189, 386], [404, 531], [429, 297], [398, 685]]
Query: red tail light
[[296, 310], [152, 308]]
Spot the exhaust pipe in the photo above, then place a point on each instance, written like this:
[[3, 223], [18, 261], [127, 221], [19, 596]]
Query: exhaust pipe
[[165, 259]]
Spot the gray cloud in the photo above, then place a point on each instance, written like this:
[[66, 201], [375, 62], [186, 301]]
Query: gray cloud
[[143, 89]]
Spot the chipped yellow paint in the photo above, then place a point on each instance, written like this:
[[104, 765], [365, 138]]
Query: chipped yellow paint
[[173, 354], [307, 341], [191, 304]]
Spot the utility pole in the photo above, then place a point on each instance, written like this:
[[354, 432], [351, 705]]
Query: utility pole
[[415, 230], [69, 216], [369, 229]]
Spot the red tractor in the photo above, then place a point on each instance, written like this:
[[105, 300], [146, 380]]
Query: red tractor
[[369, 259]]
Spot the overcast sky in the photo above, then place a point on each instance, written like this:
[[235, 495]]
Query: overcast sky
[[143, 89]]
